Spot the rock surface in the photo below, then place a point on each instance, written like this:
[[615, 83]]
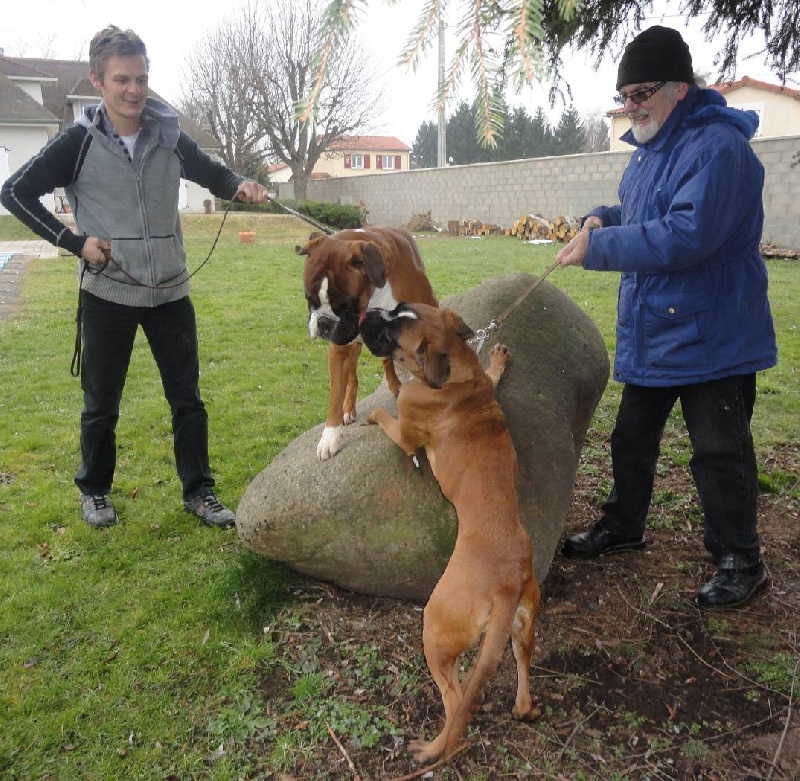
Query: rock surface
[[370, 521]]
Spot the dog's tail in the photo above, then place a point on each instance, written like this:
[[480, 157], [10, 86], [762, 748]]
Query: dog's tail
[[495, 640]]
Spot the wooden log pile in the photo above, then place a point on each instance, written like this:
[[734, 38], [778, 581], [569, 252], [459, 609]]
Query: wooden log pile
[[530, 226], [533, 226], [473, 228], [563, 229], [769, 250]]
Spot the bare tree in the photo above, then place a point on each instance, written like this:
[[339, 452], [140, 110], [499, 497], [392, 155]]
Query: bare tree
[[248, 78], [596, 133], [219, 93]]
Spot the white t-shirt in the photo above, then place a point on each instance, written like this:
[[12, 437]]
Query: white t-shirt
[[130, 142]]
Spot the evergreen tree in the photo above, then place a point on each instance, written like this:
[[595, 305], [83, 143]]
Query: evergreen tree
[[425, 149], [523, 137], [517, 136], [568, 137], [541, 136], [462, 141]]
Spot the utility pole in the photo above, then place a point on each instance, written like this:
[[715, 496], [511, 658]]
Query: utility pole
[[441, 156]]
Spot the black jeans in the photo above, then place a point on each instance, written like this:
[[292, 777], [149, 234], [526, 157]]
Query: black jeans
[[723, 464], [109, 331]]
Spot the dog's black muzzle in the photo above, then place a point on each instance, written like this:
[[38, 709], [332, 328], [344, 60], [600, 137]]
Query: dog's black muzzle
[[380, 330], [339, 330]]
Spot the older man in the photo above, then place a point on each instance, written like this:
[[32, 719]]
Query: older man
[[693, 318]]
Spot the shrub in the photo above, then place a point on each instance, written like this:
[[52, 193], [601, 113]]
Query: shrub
[[334, 215]]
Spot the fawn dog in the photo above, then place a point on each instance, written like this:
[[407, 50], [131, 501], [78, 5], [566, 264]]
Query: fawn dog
[[488, 588]]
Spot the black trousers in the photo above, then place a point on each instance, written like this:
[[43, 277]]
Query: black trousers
[[109, 331], [723, 464]]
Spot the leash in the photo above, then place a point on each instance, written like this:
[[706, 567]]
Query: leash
[[75, 364], [302, 217], [482, 334]]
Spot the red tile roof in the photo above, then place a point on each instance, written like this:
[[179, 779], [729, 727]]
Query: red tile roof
[[370, 143], [746, 81]]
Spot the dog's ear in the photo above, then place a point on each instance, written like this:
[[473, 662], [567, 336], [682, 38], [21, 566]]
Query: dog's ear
[[312, 239], [459, 326], [434, 363], [371, 263]]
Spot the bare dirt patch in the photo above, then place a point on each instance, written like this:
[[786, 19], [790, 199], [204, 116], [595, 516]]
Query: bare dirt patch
[[634, 681]]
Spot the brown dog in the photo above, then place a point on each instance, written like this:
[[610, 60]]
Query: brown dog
[[488, 588], [344, 274]]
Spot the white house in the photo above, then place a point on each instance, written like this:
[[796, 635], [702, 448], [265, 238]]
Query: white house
[[39, 97], [353, 156]]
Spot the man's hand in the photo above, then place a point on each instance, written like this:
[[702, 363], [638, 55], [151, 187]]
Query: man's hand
[[96, 250], [251, 192], [574, 253]]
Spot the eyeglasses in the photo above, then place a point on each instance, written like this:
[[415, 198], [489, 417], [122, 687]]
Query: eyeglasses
[[640, 96]]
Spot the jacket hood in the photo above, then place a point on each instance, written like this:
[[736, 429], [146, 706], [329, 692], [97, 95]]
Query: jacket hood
[[710, 106], [158, 117], [700, 107]]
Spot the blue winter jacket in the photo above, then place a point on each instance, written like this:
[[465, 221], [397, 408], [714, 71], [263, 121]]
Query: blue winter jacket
[[693, 301]]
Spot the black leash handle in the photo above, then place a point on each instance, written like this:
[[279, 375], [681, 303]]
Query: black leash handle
[[75, 365]]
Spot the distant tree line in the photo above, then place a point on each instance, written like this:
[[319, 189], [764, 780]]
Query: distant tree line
[[523, 136]]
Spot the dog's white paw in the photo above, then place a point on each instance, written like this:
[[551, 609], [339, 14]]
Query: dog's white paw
[[348, 418], [330, 443]]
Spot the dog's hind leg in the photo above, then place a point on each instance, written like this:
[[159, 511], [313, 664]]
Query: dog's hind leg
[[523, 638], [442, 658]]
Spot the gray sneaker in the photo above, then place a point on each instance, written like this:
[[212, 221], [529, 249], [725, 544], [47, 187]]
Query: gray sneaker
[[97, 510], [210, 511]]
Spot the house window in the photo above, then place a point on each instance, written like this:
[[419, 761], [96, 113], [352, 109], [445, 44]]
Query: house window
[[387, 162], [356, 161]]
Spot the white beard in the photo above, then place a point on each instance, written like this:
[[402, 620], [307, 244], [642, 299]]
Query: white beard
[[645, 133]]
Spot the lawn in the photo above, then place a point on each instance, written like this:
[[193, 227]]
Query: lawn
[[141, 651]]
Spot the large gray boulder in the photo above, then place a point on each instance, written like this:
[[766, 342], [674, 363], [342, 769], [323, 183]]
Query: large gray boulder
[[370, 521]]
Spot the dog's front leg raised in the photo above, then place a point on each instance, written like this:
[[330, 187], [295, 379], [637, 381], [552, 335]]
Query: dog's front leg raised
[[498, 358], [392, 380], [343, 379], [392, 428]]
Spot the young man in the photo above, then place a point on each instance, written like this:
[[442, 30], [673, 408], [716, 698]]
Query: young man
[[693, 318], [121, 164]]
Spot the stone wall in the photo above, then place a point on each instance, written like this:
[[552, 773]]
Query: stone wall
[[500, 193]]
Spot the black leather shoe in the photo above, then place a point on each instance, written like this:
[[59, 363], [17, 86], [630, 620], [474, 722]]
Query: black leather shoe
[[597, 541], [732, 587]]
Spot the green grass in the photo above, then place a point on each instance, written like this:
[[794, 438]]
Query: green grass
[[137, 651], [11, 229]]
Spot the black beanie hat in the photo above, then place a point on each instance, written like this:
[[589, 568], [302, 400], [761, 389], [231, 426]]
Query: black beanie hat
[[657, 54]]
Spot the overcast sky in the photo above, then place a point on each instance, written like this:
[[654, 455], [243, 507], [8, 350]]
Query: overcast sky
[[63, 29]]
